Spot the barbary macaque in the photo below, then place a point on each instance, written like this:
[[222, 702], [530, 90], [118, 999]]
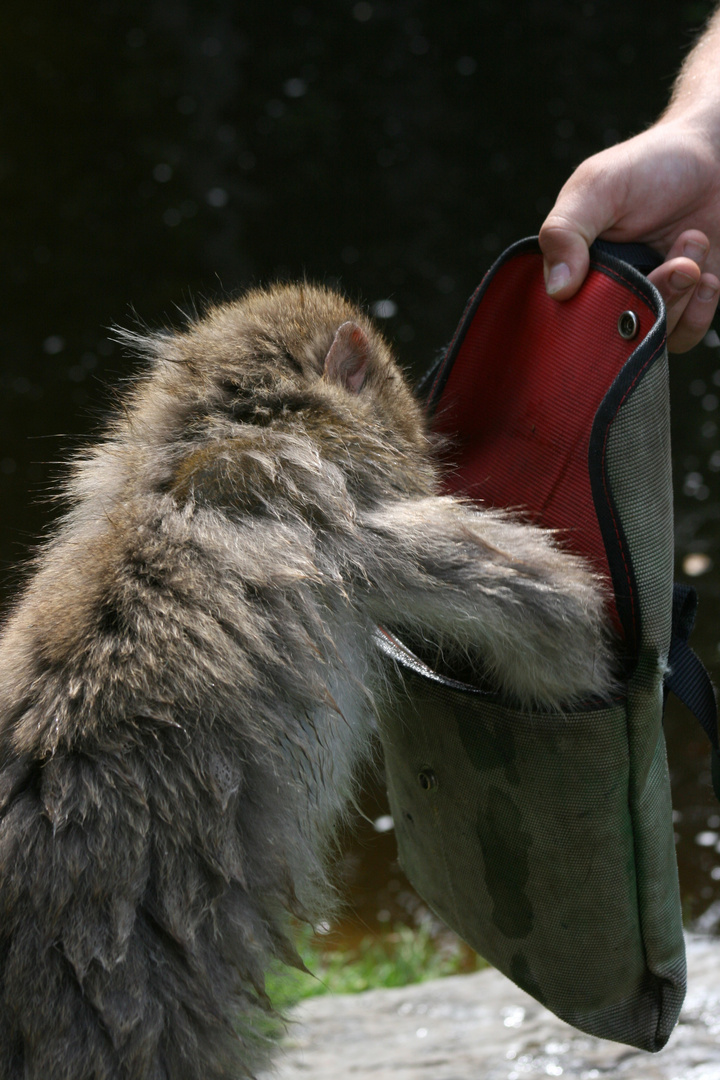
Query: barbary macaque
[[187, 681]]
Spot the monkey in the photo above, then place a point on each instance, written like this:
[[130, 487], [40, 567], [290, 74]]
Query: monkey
[[189, 677]]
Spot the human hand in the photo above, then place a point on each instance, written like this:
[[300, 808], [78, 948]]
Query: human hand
[[661, 187]]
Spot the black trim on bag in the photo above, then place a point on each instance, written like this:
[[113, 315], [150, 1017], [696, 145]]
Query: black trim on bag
[[441, 370], [396, 650], [635, 368]]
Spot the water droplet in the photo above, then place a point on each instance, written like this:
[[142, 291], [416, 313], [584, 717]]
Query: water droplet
[[295, 88], [696, 563], [513, 1016], [695, 486], [362, 11], [53, 344], [384, 309], [383, 823], [217, 197]]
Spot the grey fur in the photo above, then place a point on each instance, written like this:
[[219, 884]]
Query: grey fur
[[186, 682]]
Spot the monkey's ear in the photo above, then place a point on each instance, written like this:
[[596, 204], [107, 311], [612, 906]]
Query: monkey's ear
[[348, 357]]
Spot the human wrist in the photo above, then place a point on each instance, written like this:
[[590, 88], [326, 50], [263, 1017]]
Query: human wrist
[[695, 100], [692, 122]]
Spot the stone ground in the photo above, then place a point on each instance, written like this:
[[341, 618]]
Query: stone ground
[[482, 1027]]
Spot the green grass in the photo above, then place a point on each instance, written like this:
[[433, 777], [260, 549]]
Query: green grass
[[400, 957]]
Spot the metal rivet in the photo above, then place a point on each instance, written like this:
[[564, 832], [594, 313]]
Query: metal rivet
[[628, 325], [427, 779]]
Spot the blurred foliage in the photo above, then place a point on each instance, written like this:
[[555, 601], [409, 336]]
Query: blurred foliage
[[398, 958]]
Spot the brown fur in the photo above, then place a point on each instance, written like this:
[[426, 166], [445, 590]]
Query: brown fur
[[186, 683]]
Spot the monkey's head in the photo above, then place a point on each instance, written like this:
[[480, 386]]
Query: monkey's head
[[298, 360], [292, 346]]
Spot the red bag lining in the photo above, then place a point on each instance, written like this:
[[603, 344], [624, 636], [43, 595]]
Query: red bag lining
[[524, 387]]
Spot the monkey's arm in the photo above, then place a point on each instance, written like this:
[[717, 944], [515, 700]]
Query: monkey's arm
[[502, 595]]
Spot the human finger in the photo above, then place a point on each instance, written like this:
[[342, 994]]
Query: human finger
[[690, 244], [675, 280], [696, 316], [690, 298]]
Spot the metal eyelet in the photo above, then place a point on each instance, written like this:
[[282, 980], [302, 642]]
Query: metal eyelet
[[628, 325], [427, 780]]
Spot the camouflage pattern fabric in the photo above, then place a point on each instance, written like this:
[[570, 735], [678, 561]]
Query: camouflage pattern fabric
[[545, 839]]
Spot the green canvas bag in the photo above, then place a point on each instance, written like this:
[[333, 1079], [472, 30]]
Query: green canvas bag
[[545, 839]]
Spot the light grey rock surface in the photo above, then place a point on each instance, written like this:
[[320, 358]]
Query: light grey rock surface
[[482, 1027]]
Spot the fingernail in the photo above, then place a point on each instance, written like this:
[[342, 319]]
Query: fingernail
[[557, 278], [706, 292], [695, 251], [681, 281]]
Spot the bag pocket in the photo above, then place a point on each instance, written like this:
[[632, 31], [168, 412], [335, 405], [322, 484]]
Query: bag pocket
[[525, 832]]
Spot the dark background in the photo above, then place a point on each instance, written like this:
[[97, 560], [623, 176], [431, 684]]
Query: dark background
[[156, 153]]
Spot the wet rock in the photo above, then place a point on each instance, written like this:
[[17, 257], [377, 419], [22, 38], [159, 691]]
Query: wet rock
[[482, 1027]]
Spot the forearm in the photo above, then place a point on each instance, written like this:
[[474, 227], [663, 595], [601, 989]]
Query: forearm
[[696, 92]]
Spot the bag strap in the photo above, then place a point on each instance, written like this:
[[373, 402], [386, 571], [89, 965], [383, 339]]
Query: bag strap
[[687, 677]]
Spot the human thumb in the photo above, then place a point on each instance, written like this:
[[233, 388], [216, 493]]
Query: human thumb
[[566, 256]]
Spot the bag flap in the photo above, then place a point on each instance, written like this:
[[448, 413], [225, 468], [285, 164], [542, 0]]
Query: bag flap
[[527, 392]]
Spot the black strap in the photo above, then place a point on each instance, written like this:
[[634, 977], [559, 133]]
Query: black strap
[[643, 258], [688, 678]]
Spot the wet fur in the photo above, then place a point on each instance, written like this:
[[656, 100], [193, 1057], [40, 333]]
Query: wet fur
[[186, 683]]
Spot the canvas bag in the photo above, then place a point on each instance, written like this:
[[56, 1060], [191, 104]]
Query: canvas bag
[[545, 839]]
